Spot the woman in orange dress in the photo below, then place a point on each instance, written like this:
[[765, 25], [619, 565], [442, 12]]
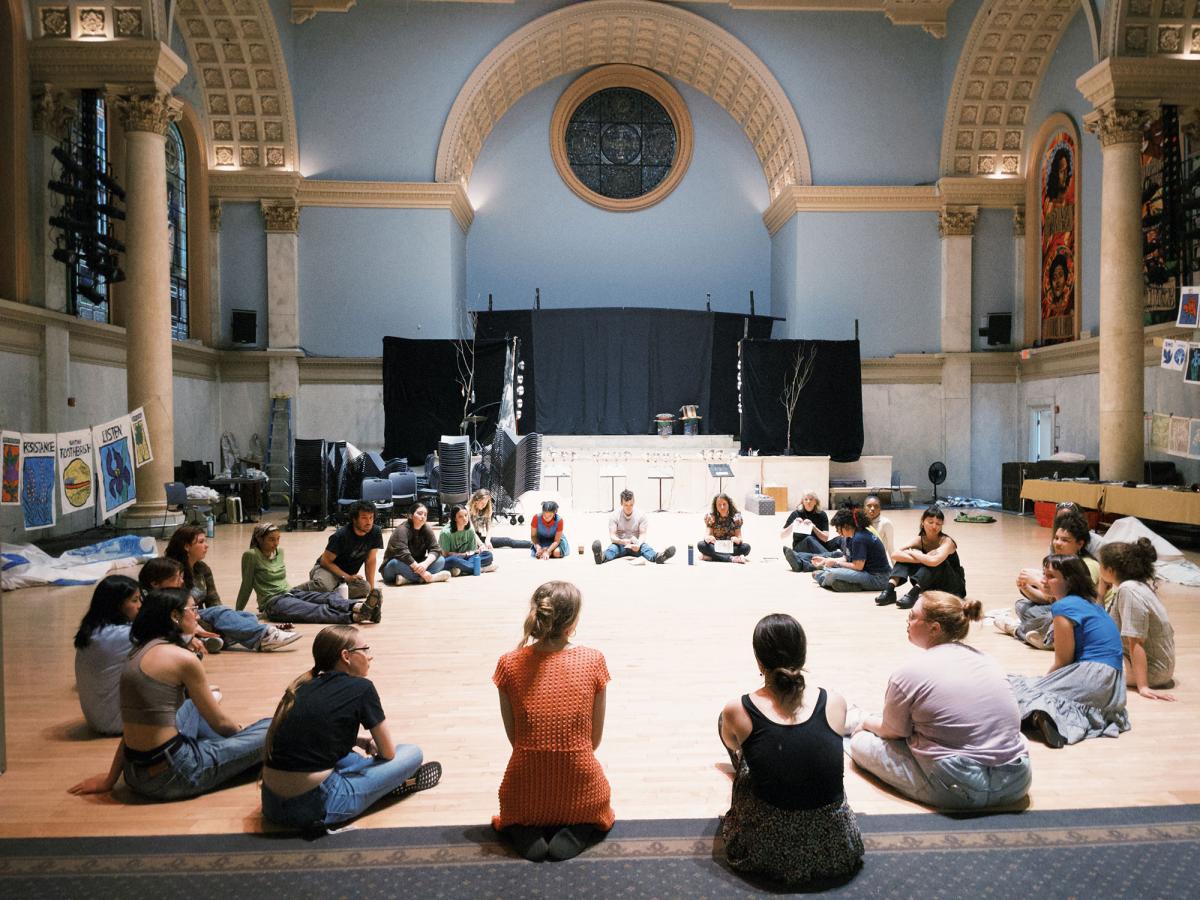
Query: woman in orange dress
[[554, 798]]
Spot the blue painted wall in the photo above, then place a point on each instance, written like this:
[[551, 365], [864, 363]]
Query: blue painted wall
[[531, 231], [243, 268], [992, 269]]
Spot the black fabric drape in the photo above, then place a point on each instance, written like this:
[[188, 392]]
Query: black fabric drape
[[422, 398], [516, 323], [828, 417], [728, 330], [609, 371]]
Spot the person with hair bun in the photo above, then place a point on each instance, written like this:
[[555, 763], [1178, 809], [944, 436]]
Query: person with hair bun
[[554, 799], [317, 769], [788, 818], [546, 537], [1147, 638], [950, 732]]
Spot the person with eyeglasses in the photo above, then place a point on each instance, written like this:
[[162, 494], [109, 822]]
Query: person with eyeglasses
[[173, 748], [950, 732], [318, 770]]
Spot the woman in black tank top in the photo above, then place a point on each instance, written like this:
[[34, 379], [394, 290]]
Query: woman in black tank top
[[789, 819]]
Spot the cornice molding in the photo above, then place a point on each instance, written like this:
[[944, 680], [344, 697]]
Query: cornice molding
[[849, 198], [389, 195], [303, 10], [341, 370], [1118, 79], [904, 368], [986, 193], [248, 185], [123, 67]]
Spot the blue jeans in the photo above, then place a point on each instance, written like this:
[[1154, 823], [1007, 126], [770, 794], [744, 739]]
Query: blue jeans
[[465, 565], [235, 626], [563, 547], [841, 579], [614, 551], [356, 782], [394, 570], [311, 606], [201, 762]]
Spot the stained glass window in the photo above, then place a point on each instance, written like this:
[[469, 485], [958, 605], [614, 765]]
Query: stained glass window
[[177, 231], [620, 143]]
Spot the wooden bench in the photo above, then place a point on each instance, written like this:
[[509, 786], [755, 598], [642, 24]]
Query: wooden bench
[[887, 494]]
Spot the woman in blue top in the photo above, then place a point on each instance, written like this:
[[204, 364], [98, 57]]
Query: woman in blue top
[[1083, 695], [546, 534], [865, 565]]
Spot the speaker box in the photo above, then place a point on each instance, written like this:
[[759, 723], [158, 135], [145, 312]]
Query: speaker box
[[244, 326], [998, 330]]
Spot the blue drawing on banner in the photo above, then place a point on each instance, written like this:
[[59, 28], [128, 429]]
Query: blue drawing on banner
[[117, 472], [1167, 354], [37, 491], [1180, 355], [1194, 439]]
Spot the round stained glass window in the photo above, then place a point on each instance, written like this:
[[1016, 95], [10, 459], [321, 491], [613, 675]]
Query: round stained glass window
[[621, 137]]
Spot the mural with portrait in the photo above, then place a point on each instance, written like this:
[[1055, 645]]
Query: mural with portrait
[[1058, 180]]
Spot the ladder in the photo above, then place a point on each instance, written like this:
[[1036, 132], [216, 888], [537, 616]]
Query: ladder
[[279, 452]]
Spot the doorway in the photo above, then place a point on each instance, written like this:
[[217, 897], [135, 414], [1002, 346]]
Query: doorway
[[1041, 432]]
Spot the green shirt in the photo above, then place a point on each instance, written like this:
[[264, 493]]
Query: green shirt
[[462, 542], [266, 577]]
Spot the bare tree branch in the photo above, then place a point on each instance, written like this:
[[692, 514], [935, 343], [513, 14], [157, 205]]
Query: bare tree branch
[[793, 385]]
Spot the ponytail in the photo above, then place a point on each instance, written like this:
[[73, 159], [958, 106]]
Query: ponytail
[[553, 609]]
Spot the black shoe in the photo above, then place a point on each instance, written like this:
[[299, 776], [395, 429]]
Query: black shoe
[[790, 555], [425, 777], [665, 555], [909, 600], [529, 841], [213, 644], [597, 555], [373, 611], [1048, 730], [568, 842], [887, 596]]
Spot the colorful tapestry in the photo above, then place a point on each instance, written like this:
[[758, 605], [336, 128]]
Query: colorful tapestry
[[1189, 307], [37, 480], [10, 494], [113, 445], [1161, 194], [1059, 242], [141, 437], [75, 473]]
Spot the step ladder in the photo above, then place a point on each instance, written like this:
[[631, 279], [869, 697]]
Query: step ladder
[[280, 450]]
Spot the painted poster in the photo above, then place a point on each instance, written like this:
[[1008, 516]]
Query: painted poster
[[37, 480], [1191, 370], [1058, 276], [10, 495], [113, 448], [142, 453], [1189, 308], [1177, 445], [76, 489], [1179, 355], [1161, 194], [1160, 432], [1193, 439], [1168, 353]]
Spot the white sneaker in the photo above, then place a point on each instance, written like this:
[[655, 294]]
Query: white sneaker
[[274, 639], [1005, 621], [440, 576]]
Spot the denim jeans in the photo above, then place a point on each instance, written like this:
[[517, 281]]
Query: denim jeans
[[952, 782], [356, 782], [513, 543], [1034, 617], [562, 545], [316, 607], [322, 580], [709, 548], [842, 579], [235, 626], [394, 570], [614, 551], [465, 564], [202, 762]]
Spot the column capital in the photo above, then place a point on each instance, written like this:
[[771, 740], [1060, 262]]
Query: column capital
[[281, 217], [1018, 221], [1117, 124], [53, 109], [957, 220], [146, 112]]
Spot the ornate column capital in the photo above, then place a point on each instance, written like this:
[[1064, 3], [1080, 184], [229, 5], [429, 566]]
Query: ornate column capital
[[1018, 221], [1115, 124], [52, 109], [957, 220], [146, 112], [281, 217], [214, 215]]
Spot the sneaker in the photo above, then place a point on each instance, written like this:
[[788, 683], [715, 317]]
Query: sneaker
[[373, 611], [214, 644], [1047, 730], [440, 576], [597, 555], [665, 555], [274, 639], [1037, 641], [909, 600], [454, 573], [887, 596], [1005, 622], [790, 555], [423, 779]]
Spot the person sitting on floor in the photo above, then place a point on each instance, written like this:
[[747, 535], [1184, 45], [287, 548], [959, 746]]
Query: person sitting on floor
[[265, 573], [482, 508], [1147, 638], [317, 770], [864, 567], [220, 625], [173, 748], [102, 648], [554, 798], [413, 555], [930, 562], [546, 534], [808, 525], [723, 542], [880, 524], [351, 548], [461, 548], [1083, 694], [627, 528], [788, 818], [950, 732]]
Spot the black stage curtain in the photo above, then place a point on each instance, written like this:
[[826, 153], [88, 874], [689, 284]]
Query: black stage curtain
[[728, 330], [505, 325], [422, 399], [828, 418]]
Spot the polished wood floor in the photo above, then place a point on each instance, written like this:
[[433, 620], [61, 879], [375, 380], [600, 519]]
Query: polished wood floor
[[677, 640]]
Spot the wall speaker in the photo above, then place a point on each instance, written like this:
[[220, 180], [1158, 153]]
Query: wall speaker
[[244, 326], [998, 329]]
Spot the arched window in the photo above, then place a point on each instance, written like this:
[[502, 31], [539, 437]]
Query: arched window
[[177, 231], [89, 136]]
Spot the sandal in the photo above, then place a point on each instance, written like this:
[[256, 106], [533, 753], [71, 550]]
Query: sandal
[[423, 779]]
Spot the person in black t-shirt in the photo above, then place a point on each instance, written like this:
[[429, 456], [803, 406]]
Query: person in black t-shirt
[[815, 539], [317, 770], [351, 548], [865, 565]]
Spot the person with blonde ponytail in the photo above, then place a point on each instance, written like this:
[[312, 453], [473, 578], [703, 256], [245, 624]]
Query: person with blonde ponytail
[[318, 771], [789, 819], [554, 799], [950, 733]]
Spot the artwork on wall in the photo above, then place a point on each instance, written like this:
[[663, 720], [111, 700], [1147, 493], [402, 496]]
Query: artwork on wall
[[37, 481], [1189, 308], [1193, 439], [141, 437], [113, 444], [1177, 444], [1161, 195], [1058, 179], [1191, 371], [1160, 432], [10, 444], [1174, 354], [75, 472]]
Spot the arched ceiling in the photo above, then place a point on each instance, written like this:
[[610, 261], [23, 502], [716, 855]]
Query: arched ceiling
[[669, 40], [1151, 27]]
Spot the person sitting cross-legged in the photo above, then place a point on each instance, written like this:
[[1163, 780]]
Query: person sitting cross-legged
[[351, 548], [724, 524], [627, 528], [461, 547], [865, 566], [413, 555], [930, 562]]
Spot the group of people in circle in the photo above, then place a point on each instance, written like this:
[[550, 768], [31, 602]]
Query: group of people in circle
[[948, 734]]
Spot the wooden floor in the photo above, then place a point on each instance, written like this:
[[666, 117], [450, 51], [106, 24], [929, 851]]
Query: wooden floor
[[677, 640]]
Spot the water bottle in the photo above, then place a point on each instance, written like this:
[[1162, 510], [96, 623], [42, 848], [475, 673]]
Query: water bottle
[[209, 523], [691, 554]]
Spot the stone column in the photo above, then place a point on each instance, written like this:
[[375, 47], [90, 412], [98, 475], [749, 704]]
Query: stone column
[[147, 298], [53, 111], [956, 226], [282, 222], [214, 273], [1122, 360], [1018, 321]]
